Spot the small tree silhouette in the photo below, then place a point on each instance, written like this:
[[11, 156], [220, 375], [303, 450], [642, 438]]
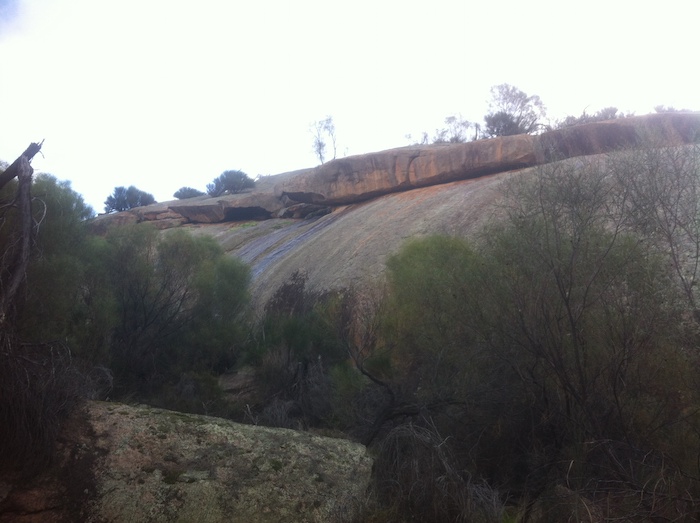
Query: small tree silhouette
[[183, 193], [230, 182], [123, 199]]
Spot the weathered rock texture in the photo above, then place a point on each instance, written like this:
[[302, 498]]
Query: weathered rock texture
[[138, 464], [359, 178], [364, 177]]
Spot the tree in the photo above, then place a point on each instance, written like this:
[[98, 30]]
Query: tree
[[511, 111], [176, 300], [322, 131], [17, 249], [663, 205], [455, 131], [123, 199], [56, 268], [669, 109], [184, 193], [608, 113], [230, 182], [590, 314], [561, 333], [39, 385]]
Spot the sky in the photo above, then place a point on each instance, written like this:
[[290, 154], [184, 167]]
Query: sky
[[163, 94]]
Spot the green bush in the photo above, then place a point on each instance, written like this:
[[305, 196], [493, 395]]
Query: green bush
[[553, 351], [178, 299], [40, 382], [184, 193], [230, 182], [294, 349], [57, 267]]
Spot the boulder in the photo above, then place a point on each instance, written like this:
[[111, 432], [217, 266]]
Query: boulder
[[200, 210], [359, 178], [232, 207], [103, 222], [135, 464]]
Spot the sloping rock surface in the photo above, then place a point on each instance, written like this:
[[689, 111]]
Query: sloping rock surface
[[350, 246], [339, 222], [138, 464]]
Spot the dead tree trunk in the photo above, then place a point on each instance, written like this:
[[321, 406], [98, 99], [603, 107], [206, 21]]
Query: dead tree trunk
[[14, 170], [16, 251]]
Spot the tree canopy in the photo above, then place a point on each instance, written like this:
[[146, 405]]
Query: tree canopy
[[512, 111], [230, 182], [123, 199], [184, 193]]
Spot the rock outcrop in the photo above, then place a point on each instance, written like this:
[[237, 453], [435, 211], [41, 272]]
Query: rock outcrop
[[339, 222], [361, 178], [138, 464]]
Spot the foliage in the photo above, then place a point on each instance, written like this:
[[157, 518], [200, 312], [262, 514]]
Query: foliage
[[426, 309], [147, 306], [415, 471], [322, 131], [39, 382], [123, 199], [39, 386], [456, 130], [670, 109], [177, 299], [295, 351], [56, 270], [663, 204], [184, 193], [608, 113], [230, 182], [511, 111], [557, 351]]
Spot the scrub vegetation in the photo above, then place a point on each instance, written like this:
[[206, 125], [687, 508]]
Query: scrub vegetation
[[543, 370]]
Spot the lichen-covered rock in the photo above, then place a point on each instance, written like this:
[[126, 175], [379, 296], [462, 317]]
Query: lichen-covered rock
[[154, 465]]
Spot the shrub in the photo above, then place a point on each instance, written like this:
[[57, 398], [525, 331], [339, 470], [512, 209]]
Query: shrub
[[184, 193], [293, 350], [608, 113], [230, 182], [556, 351], [39, 387], [161, 305], [415, 475], [123, 199]]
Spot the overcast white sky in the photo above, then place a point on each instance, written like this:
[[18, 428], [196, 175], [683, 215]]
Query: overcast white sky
[[166, 93]]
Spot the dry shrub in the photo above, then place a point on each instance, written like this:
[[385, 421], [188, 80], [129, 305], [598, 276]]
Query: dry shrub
[[414, 475], [39, 386]]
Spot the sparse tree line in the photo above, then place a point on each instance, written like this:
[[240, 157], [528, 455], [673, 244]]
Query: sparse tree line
[[511, 111], [228, 182], [540, 371]]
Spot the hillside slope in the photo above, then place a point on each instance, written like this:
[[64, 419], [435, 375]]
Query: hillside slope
[[339, 222]]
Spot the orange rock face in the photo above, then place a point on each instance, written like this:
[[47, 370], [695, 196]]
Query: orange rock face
[[359, 178], [364, 177]]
